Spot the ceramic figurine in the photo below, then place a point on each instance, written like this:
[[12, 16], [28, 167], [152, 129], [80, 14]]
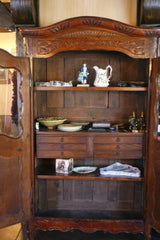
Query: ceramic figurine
[[83, 74], [141, 123], [102, 78], [133, 124]]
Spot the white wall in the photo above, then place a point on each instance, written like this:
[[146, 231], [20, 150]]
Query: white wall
[[51, 11], [8, 42]]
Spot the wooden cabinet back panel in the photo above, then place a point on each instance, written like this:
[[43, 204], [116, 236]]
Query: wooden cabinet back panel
[[93, 105], [90, 195]]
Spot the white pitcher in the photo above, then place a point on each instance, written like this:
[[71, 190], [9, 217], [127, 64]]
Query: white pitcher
[[102, 78]]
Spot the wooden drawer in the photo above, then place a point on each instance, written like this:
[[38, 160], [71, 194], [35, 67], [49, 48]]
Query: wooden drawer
[[45, 139], [114, 147], [124, 139], [61, 147], [118, 147], [118, 154]]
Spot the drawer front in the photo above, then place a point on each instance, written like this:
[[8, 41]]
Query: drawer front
[[104, 147], [118, 147], [58, 139], [61, 147], [61, 154], [112, 140], [118, 154]]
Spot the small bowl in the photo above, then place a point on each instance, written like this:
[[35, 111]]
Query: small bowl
[[50, 122]]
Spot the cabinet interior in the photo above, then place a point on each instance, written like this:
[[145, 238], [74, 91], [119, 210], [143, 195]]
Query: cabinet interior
[[113, 106], [87, 197]]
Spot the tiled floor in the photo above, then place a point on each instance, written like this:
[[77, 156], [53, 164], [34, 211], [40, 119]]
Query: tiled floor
[[13, 232]]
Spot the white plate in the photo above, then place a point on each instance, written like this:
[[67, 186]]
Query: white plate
[[84, 169], [70, 127]]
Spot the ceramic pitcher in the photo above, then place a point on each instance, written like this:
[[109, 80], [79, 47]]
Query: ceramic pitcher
[[102, 77]]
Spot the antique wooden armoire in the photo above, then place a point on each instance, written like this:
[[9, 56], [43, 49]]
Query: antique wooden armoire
[[89, 202]]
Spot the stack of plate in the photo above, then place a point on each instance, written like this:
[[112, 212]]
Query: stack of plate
[[69, 127], [80, 123]]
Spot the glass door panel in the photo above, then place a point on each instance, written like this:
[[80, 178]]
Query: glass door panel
[[11, 102]]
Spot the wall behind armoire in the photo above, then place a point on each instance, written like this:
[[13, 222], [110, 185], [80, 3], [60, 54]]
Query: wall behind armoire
[[51, 11]]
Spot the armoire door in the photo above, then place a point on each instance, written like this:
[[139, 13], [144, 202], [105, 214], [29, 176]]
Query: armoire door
[[15, 153], [153, 166]]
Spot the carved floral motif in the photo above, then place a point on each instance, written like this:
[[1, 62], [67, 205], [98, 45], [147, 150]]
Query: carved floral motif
[[134, 47]]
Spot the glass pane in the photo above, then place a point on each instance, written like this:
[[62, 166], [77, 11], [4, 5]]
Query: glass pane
[[11, 102]]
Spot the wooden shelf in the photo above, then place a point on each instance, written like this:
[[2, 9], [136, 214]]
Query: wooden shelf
[[88, 214], [73, 177], [86, 133], [51, 174], [138, 89]]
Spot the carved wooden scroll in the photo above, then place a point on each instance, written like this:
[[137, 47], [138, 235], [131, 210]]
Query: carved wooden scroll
[[91, 33]]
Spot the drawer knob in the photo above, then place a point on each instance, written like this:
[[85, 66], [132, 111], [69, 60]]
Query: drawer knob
[[118, 153], [62, 154], [118, 139]]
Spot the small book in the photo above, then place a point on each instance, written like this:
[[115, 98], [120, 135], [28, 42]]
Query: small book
[[96, 130], [101, 125]]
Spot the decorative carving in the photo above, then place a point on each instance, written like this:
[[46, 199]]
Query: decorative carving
[[60, 27], [83, 23], [14, 108], [151, 33], [92, 21], [136, 47], [87, 226], [124, 28], [45, 47], [90, 33]]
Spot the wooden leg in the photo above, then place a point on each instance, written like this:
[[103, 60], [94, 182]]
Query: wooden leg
[[30, 231], [147, 232], [27, 231]]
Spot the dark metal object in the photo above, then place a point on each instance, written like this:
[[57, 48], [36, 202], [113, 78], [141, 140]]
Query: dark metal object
[[149, 12], [24, 12], [6, 22]]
